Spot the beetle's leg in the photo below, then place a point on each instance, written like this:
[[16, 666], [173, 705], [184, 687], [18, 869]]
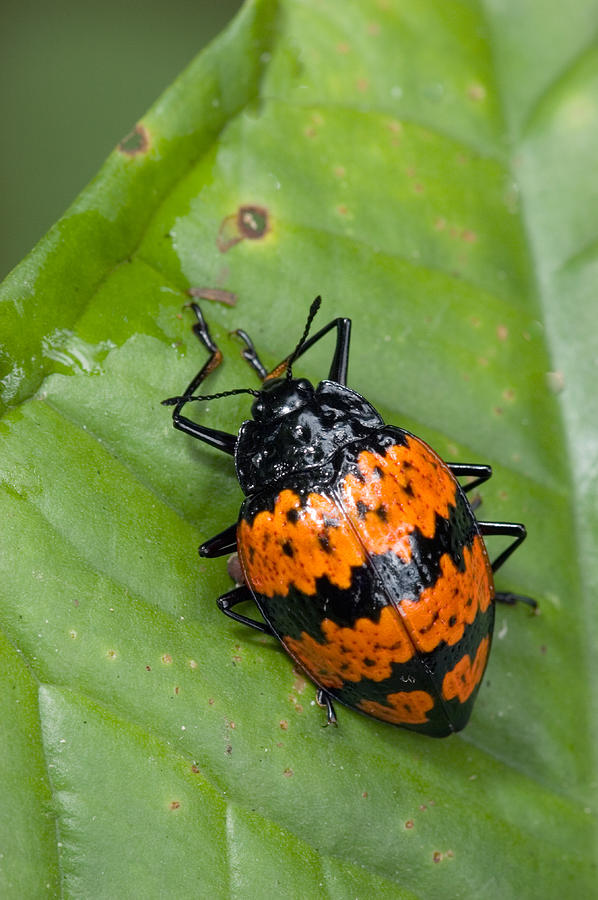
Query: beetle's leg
[[510, 599], [250, 353], [232, 598], [324, 700], [340, 360], [222, 543], [482, 473], [514, 529], [222, 440]]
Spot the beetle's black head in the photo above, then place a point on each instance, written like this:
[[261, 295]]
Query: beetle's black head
[[279, 397], [297, 427]]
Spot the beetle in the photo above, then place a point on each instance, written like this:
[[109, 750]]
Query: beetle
[[357, 543]]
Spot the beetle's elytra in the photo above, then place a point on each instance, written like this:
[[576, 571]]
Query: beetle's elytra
[[357, 543]]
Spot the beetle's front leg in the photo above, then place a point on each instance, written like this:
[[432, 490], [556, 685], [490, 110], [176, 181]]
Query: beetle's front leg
[[222, 440]]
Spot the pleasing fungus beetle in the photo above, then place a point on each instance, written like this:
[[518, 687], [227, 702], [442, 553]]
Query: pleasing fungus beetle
[[357, 543]]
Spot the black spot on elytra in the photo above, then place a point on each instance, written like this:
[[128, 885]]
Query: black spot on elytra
[[362, 509], [324, 542], [381, 513], [287, 548], [429, 627], [251, 551], [408, 489], [292, 515], [452, 621], [378, 471]]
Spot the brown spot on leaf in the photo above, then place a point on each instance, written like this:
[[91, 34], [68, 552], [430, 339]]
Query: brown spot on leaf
[[299, 684], [476, 92], [218, 295], [136, 142], [252, 222], [555, 381], [248, 223]]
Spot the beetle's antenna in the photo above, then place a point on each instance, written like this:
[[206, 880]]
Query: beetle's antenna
[[173, 401], [313, 309]]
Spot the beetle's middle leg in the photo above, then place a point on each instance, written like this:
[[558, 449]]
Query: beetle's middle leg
[[480, 473], [222, 543], [240, 595], [518, 532]]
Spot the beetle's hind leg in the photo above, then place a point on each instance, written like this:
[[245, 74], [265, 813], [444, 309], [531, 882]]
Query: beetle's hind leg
[[324, 700], [511, 599], [234, 597]]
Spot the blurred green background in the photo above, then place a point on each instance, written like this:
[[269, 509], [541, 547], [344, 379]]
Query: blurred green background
[[75, 78]]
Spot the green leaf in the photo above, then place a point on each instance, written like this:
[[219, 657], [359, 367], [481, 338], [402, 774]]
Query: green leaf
[[430, 169]]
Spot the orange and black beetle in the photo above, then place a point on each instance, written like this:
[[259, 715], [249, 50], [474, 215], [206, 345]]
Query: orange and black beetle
[[357, 544]]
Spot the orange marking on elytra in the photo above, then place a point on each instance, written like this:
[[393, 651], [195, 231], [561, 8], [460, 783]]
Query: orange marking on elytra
[[443, 610], [367, 650], [405, 707], [296, 545], [399, 490], [461, 681]]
